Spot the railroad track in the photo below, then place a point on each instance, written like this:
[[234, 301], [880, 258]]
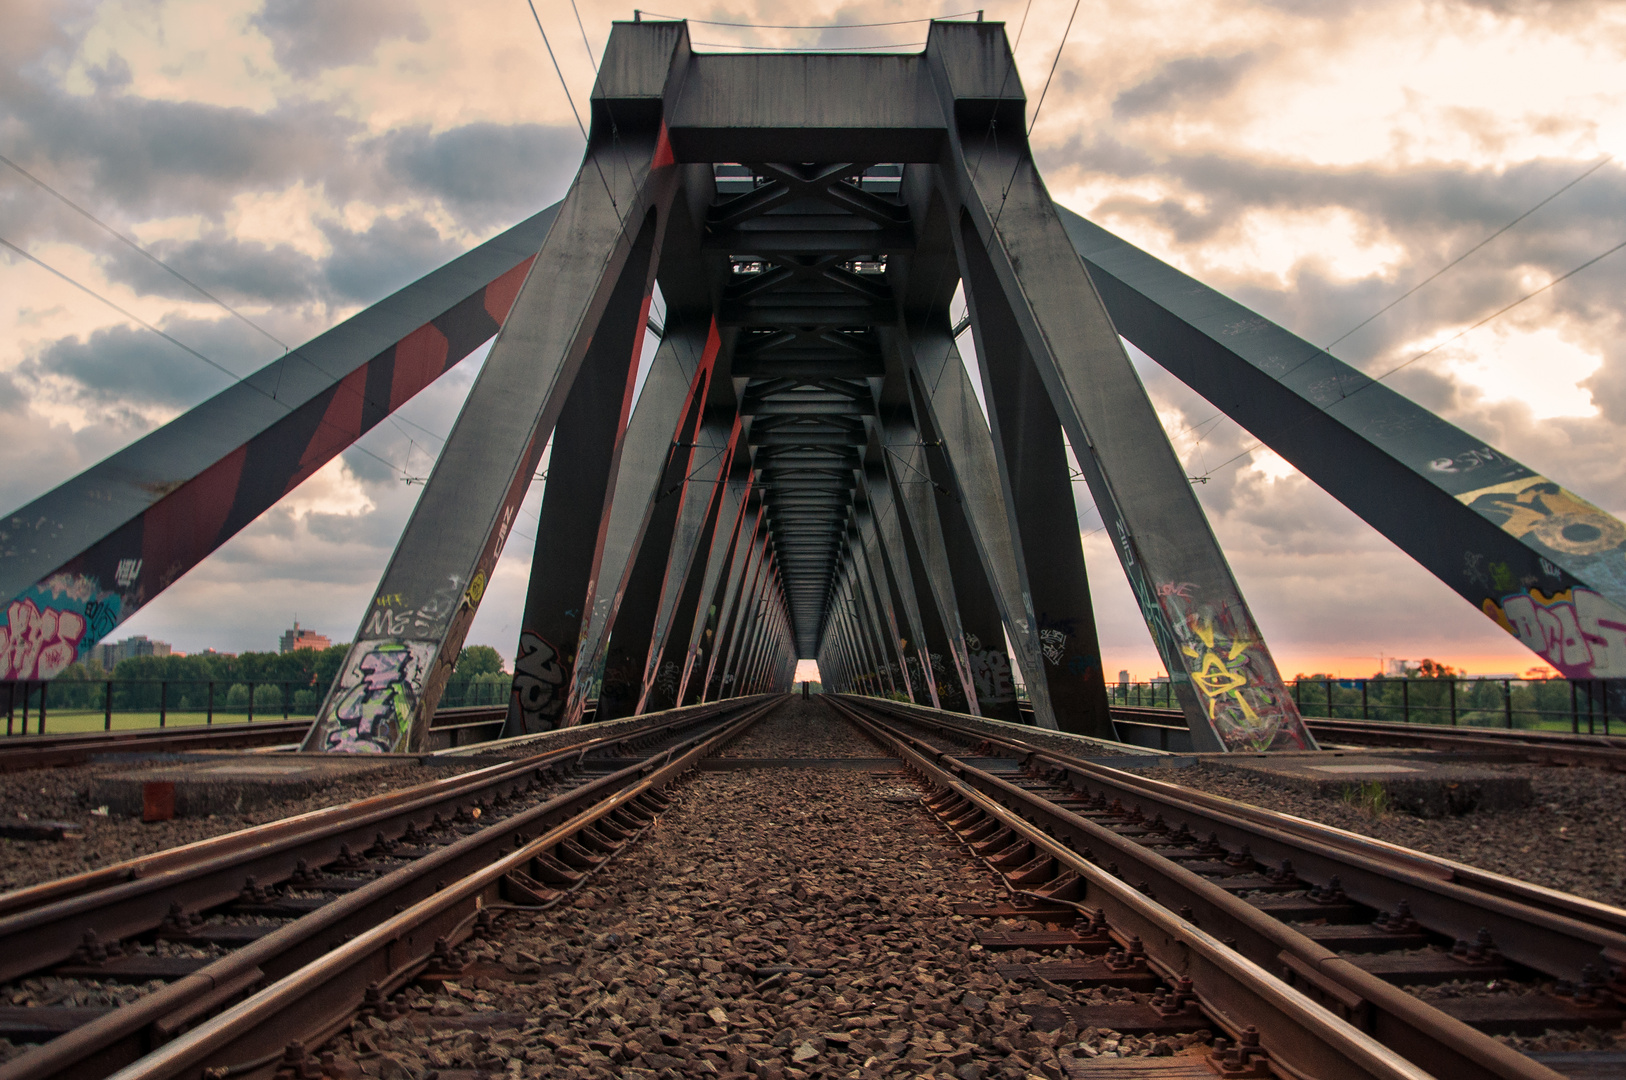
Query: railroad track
[[1343, 920], [246, 941], [451, 728], [1544, 747]]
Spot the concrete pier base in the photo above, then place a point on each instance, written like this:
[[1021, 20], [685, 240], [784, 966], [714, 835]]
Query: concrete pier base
[[1429, 786], [223, 785]]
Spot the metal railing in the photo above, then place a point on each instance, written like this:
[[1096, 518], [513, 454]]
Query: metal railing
[[1591, 706], [72, 705]]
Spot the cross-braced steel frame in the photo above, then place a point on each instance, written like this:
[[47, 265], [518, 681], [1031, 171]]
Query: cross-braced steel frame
[[808, 471]]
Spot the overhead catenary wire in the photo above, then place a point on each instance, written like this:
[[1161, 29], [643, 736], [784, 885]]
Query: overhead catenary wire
[[236, 378], [1431, 349], [811, 48], [824, 26], [1432, 277], [1034, 122], [591, 57], [135, 246]]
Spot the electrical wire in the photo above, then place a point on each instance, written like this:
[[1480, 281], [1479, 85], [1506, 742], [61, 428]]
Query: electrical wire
[[1594, 168], [1052, 74], [1433, 348], [206, 294], [810, 48], [592, 58], [236, 378], [1328, 348]]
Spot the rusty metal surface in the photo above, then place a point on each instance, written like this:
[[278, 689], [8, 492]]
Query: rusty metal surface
[[1297, 838], [318, 998], [45, 923], [1438, 1042], [1233, 988]]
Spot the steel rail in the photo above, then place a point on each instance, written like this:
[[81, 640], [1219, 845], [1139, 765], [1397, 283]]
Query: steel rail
[[1304, 1038], [1548, 747], [20, 752], [317, 1000], [1563, 913], [1440, 1043], [44, 924], [120, 1036]]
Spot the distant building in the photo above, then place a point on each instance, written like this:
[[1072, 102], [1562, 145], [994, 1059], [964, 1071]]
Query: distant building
[[296, 639], [108, 654], [1123, 678], [1400, 669]]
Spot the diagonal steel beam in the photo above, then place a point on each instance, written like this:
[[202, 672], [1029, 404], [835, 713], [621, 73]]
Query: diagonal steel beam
[[91, 552], [1543, 563], [605, 239]]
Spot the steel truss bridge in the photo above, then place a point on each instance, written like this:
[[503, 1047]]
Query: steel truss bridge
[[807, 472]]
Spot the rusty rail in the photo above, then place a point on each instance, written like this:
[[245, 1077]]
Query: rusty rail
[[314, 1001]]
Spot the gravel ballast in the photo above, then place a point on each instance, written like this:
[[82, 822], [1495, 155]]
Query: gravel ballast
[[782, 923], [61, 795], [1573, 838], [802, 729]]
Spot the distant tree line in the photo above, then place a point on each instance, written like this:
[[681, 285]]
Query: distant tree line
[[305, 675]]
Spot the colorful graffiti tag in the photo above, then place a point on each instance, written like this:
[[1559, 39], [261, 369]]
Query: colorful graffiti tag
[[1581, 633], [538, 680], [1584, 539], [53, 624], [1242, 693], [377, 695]]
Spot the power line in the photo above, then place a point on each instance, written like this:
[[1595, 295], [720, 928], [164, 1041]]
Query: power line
[[593, 59], [1433, 348], [579, 125], [201, 291], [1053, 64], [811, 48], [1594, 168], [1328, 348], [236, 378]]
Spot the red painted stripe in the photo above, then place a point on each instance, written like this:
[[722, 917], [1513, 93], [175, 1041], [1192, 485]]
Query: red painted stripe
[[500, 294], [183, 527], [420, 358], [340, 426], [663, 150]]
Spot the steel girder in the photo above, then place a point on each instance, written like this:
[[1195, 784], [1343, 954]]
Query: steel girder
[[809, 424], [1540, 561], [88, 554], [590, 286]]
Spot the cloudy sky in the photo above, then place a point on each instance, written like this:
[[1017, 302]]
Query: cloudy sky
[[303, 158]]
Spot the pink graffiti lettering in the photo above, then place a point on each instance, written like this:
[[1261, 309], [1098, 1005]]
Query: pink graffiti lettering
[[1580, 632], [37, 644]]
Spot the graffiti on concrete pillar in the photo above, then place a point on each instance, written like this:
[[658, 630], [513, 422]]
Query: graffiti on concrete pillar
[[377, 695], [990, 671], [1236, 681], [539, 680], [55, 623], [1580, 632]]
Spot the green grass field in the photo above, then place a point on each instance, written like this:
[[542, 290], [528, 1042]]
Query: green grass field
[[73, 721]]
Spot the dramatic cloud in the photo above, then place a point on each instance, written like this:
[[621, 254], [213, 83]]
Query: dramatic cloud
[[310, 35]]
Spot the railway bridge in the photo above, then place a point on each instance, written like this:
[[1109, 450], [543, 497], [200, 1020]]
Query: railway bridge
[[896, 880], [811, 469]]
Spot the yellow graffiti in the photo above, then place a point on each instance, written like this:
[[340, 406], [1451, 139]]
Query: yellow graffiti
[[1560, 519], [476, 589], [1494, 610], [1214, 676]]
